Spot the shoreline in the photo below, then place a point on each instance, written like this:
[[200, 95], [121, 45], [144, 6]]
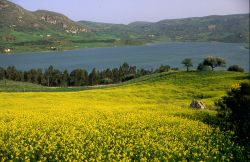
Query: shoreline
[[121, 46]]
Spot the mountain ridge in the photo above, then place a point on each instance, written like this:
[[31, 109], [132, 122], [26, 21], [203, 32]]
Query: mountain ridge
[[22, 30]]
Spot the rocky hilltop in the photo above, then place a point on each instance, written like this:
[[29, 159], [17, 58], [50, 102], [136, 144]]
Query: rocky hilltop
[[17, 18]]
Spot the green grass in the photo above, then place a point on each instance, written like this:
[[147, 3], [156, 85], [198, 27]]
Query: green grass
[[14, 86], [34, 41]]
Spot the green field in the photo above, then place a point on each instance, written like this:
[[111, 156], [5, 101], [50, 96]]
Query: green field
[[147, 119]]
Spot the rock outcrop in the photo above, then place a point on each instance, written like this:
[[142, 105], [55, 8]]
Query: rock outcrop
[[197, 104]]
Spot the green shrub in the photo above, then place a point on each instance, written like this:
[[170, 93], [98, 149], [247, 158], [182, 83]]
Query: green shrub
[[235, 68], [163, 68], [234, 112], [106, 81], [175, 69], [202, 67], [128, 77]]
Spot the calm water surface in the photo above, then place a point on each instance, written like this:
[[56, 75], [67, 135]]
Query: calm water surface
[[147, 56]]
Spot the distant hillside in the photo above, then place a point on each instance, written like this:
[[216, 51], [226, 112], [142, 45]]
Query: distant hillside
[[229, 28], [25, 31]]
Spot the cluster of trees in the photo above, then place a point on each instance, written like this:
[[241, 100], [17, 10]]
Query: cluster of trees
[[78, 77], [210, 63]]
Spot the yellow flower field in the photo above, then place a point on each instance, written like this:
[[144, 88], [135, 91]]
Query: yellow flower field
[[145, 120]]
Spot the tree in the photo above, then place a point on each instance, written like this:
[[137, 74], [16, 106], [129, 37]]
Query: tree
[[115, 73], [2, 73], [107, 73], [11, 72], [33, 75], [49, 75], [40, 76], [234, 111], [132, 70], [142, 72], [56, 78], [214, 62], [26, 76], [78, 77], [65, 78], [187, 62], [124, 69], [93, 78]]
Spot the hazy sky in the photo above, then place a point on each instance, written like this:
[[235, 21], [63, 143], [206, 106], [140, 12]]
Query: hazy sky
[[126, 11]]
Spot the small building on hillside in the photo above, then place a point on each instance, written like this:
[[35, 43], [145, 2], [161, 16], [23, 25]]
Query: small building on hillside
[[7, 50]]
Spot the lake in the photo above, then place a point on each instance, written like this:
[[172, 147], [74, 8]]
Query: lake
[[147, 56]]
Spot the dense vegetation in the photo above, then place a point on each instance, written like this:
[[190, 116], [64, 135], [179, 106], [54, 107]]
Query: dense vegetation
[[235, 68], [234, 112], [24, 31], [52, 77], [149, 119], [78, 77]]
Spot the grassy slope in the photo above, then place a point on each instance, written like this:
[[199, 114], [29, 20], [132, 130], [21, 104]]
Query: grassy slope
[[143, 119], [13, 86]]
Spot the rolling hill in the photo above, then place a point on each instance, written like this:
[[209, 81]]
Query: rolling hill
[[143, 120], [25, 31], [14, 17]]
